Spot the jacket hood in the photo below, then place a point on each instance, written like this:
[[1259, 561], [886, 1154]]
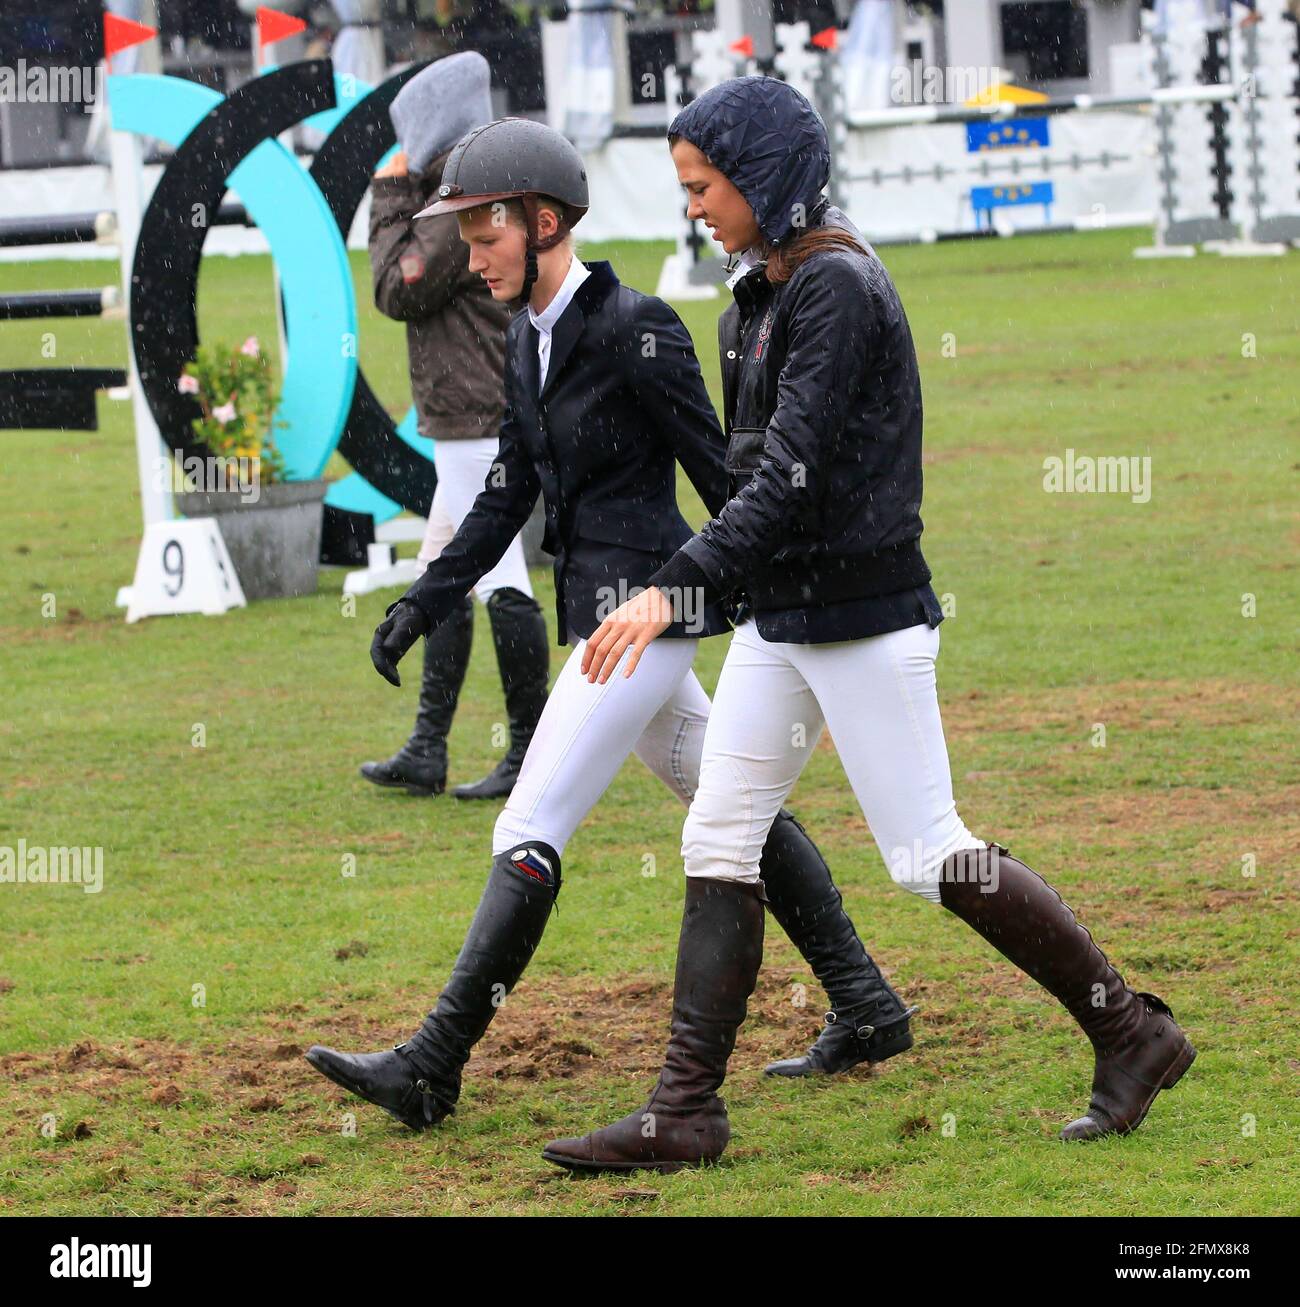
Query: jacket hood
[[768, 141], [439, 105]]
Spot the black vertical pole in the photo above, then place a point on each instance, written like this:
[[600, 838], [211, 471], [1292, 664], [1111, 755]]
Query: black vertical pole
[[1211, 74]]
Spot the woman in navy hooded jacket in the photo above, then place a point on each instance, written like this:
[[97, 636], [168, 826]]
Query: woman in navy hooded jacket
[[821, 541]]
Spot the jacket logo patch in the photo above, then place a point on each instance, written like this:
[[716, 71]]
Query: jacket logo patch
[[764, 335], [412, 266]]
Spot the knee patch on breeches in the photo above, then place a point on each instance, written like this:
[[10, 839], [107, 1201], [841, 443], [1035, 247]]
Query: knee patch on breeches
[[718, 832]]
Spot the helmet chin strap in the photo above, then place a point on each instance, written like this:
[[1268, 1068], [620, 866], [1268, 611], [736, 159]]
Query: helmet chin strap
[[530, 274], [536, 244]]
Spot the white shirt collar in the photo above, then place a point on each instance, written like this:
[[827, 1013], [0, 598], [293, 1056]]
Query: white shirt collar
[[749, 260], [545, 321]]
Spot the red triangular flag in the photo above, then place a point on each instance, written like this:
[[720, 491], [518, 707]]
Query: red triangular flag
[[744, 46], [825, 39], [274, 26], [122, 33]]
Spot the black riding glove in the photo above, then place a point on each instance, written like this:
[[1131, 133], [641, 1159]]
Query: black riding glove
[[404, 624]]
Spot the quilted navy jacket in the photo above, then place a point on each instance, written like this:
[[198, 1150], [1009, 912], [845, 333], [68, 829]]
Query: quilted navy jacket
[[822, 402]]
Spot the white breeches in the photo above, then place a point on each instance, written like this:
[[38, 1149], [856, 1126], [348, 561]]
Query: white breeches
[[878, 696], [462, 467], [587, 731]]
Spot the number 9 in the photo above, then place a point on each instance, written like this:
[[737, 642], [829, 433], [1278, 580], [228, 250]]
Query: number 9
[[173, 562]]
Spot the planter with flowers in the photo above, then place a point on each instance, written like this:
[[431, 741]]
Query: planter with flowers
[[271, 526]]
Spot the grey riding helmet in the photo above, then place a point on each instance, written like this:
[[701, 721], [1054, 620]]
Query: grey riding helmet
[[514, 159]]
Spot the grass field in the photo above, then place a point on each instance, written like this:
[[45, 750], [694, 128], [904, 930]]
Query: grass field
[[224, 864]]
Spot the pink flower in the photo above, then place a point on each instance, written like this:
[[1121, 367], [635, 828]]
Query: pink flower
[[251, 347], [188, 385], [227, 412]]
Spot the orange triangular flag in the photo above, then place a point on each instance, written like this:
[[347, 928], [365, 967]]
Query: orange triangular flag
[[274, 26], [825, 39], [122, 33], [744, 46]]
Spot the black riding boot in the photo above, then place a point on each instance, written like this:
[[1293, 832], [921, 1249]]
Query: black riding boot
[[418, 1081], [1139, 1047], [523, 658], [867, 1021], [685, 1122], [420, 765]]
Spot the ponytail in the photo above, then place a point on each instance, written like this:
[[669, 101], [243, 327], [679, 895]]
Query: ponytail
[[784, 259]]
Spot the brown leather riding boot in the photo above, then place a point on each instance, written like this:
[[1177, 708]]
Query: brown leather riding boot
[[1139, 1048], [685, 1122]]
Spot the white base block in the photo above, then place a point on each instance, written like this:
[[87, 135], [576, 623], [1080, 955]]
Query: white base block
[[1165, 252], [403, 572], [400, 528], [1250, 249], [674, 283], [183, 568], [1105, 221]]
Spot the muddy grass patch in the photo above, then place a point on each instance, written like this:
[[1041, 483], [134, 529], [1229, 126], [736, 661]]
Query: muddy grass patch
[[1157, 705], [569, 1029]]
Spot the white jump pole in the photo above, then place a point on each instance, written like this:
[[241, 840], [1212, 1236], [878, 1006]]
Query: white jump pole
[[183, 566], [153, 461], [260, 63], [908, 115], [675, 281]]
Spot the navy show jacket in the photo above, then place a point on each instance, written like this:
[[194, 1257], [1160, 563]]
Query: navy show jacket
[[624, 402]]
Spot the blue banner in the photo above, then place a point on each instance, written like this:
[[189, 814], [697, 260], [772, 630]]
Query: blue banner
[[984, 199], [1010, 134]]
